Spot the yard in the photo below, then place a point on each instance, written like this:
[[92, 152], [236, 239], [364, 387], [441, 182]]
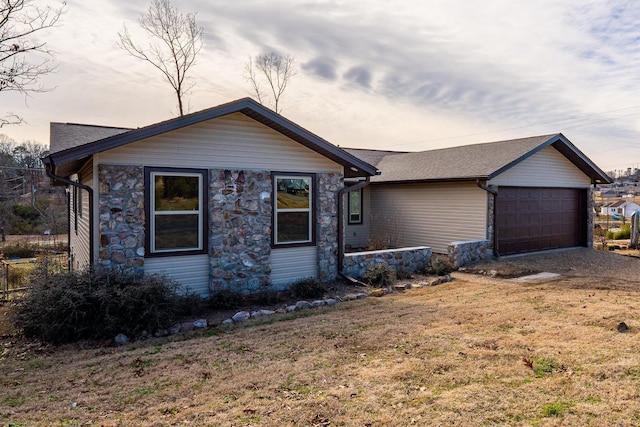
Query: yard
[[479, 350]]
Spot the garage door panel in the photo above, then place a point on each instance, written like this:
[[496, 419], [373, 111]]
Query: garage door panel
[[532, 219]]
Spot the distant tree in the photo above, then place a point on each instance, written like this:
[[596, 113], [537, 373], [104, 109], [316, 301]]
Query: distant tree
[[175, 40], [28, 154], [7, 145], [20, 23], [274, 68]]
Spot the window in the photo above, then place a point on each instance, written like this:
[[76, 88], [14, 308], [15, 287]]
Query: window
[[293, 219], [355, 207], [74, 190], [176, 211]]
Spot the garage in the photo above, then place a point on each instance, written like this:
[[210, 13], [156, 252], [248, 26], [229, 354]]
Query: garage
[[529, 219]]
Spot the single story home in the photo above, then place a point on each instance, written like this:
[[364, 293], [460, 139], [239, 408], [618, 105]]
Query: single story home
[[235, 196], [238, 197], [477, 201], [621, 207]]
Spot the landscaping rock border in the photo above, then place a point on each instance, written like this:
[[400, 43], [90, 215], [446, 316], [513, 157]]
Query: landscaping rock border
[[243, 316]]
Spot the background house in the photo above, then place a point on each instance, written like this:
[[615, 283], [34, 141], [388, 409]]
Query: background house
[[235, 196], [620, 207], [481, 200]]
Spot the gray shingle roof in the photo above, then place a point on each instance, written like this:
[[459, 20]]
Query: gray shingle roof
[[373, 157], [65, 160], [68, 135], [471, 162]]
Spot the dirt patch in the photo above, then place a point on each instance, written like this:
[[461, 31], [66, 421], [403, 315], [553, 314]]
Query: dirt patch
[[572, 262]]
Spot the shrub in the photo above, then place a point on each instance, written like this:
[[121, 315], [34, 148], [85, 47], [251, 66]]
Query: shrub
[[308, 288], [225, 299], [623, 233], [68, 307], [380, 276], [189, 305], [404, 274], [438, 266], [269, 297], [19, 250]]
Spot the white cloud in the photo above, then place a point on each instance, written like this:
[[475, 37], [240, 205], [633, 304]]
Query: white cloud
[[407, 75]]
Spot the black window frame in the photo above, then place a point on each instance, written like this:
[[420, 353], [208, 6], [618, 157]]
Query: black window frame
[[149, 210], [312, 208]]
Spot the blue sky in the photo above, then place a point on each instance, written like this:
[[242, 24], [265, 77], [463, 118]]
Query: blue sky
[[410, 75]]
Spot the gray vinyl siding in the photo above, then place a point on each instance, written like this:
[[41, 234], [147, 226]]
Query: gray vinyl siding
[[230, 142], [80, 242], [546, 168], [432, 215], [357, 235], [291, 264], [191, 271], [233, 141]]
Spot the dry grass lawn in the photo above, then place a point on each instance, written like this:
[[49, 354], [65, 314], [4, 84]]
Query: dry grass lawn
[[476, 351]]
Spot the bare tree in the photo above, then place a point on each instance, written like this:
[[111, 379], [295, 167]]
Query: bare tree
[[28, 155], [20, 23], [175, 40], [276, 69]]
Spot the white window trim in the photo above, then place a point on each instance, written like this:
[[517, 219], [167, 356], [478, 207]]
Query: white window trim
[[309, 209], [153, 213]]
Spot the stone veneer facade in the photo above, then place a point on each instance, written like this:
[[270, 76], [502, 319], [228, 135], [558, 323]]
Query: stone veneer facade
[[411, 259], [328, 188], [240, 210], [469, 252], [240, 222], [121, 218]]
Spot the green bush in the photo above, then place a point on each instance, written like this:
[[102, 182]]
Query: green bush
[[26, 219], [438, 266], [19, 250], [67, 307], [308, 288], [623, 233], [380, 276]]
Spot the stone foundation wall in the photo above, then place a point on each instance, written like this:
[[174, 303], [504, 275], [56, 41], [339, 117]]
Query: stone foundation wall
[[121, 218], [240, 209], [412, 259], [328, 187], [469, 252]]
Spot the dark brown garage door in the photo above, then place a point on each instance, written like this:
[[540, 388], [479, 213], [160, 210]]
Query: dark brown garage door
[[535, 219]]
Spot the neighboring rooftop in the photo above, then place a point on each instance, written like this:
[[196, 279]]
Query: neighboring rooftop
[[68, 135]]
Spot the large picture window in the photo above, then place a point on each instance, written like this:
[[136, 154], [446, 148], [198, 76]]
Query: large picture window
[[355, 207], [176, 211], [293, 209]]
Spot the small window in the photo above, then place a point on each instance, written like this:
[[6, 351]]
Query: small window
[[293, 209], [74, 190], [355, 206], [176, 211]]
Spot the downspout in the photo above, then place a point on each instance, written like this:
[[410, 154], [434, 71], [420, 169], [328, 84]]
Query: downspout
[[49, 168], [341, 193], [494, 193], [69, 256]]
